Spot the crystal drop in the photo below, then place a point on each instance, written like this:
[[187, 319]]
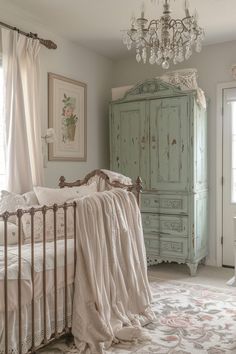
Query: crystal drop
[[188, 53], [180, 57], [198, 47], [144, 55], [171, 54], [165, 64], [158, 60], [129, 46], [125, 39], [152, 59], [138, 57]]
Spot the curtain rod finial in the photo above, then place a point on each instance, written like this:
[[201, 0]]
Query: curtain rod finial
[[48, 43]]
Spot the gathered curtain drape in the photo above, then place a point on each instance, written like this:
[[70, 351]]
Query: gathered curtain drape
[[21, 70]]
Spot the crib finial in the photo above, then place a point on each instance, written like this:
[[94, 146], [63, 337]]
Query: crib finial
[[62, 182], [139, 187]]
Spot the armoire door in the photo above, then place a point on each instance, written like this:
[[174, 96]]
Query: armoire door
[[130, 140], [169, 127]]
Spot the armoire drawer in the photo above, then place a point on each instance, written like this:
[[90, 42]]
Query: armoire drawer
[[174, 247], [165, 224], [164, 203], [152, 243]]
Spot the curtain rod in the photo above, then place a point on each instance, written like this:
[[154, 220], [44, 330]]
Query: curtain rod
[[46, 42]]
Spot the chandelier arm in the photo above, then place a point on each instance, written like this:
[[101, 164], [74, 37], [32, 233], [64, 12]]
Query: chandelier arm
[[180, 22], [153, 22], [142, 39]]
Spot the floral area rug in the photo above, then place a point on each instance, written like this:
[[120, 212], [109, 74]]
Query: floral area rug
[[191, 319]]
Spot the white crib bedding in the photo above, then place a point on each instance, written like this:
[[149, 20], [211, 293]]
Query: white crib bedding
[[26, 282]]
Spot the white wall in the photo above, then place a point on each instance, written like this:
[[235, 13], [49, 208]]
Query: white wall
[[214, 66], [77, 63]]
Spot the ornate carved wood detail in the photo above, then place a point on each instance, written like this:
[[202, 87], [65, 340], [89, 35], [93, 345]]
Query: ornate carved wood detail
[[153, 87], [171, 204], [164, 203], [156, 259], [172, 225], [171, 246]]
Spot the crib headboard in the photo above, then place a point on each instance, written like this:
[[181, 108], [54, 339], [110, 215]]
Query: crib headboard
[[134, 187]]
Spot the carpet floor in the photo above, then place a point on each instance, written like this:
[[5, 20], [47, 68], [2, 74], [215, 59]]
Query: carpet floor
[[191, 319]]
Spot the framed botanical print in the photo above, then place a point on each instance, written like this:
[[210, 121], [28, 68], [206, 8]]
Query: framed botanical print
[[67, 104]]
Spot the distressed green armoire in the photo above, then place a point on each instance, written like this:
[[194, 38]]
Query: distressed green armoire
[[159, 133]]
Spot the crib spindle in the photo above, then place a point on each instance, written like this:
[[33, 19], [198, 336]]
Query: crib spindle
[[55, 209], [5, 218], [19, 216], [44, 210], [65, 268], [74, 206]]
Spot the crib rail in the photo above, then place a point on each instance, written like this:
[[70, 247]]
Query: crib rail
[[32, 212], [135, 187]]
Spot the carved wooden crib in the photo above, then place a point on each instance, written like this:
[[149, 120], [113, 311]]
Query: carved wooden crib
[[36, 278]]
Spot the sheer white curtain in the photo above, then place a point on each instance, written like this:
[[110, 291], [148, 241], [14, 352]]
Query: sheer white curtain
[[24, 160]]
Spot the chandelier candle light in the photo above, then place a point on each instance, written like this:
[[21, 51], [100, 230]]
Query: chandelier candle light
[[164, 39]]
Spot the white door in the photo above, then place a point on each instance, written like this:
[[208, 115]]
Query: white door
[[229, 175]]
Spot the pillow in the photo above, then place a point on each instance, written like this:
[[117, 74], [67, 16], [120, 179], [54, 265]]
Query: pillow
[[84, 190], [12, 233], [30, 198], [38, 225], [11, 202], [49, 196]]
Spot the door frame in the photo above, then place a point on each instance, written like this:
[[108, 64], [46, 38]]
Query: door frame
[[219, 168]]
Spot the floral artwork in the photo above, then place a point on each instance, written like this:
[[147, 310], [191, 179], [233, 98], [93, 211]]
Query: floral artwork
[[67, 116]]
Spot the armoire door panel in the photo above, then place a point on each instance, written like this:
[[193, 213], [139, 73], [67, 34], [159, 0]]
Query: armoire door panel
[[130, 140], [169, 144]]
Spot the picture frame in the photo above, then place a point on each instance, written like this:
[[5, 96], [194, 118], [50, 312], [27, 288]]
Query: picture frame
[[67, 116]]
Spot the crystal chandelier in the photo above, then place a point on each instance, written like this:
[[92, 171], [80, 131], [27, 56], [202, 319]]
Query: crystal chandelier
[[165, 39]]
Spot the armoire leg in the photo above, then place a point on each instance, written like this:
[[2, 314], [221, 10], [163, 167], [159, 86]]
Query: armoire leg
[[192, 268]]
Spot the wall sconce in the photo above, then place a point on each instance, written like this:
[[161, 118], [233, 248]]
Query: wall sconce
[[49, 137]]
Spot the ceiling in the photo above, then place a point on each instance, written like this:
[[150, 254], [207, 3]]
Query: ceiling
[[97, 24]]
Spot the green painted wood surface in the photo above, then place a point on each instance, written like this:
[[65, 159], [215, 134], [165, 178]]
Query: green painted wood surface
[[130, 140], [160, 133], [169, 126]]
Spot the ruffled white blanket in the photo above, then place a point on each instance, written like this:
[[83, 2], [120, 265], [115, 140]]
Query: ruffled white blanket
[[112, 296]]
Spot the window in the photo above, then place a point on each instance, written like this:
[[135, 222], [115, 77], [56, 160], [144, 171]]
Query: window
[[2, 138]]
